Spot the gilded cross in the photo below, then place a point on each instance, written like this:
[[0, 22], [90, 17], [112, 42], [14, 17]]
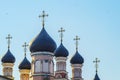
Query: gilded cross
[[61, 33], [25, 47], [76, 39], [96, 63], [43, 18], [9, 38]]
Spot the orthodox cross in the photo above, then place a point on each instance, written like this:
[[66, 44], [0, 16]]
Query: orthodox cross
[[61, 33], [76, 39], [43, 18], [96, 64], [25, 47], [9, 38]]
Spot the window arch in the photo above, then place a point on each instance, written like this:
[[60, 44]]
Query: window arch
[[46, 66], [61, 66], [38, 66], [77, 72]]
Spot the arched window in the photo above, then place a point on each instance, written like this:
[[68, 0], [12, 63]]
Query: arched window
[[64, 66], [8, 72], [77, 72], [38, 66], [45, 66], [61, 66]]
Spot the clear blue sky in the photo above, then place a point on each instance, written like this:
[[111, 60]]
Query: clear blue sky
[[96, 22]]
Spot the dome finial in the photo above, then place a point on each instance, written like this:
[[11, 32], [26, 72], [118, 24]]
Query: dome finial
[[76, 39], [43, 18], [8, 38], [25, 47], [96, 64], [61, 33]]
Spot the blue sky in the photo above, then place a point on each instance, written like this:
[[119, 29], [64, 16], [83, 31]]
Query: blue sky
[[96, 22]]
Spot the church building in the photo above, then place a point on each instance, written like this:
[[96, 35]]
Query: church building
[[43, 52]]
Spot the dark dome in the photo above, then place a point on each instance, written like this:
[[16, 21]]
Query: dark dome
[[8, 57], [25, 64], [43, 42], [77, 59], [96, 77], [61, 51]]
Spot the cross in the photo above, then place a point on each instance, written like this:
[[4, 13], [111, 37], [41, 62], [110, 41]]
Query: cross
[[61, 33], [43, 17], [25, 47], [76, 39], [9, 37], [96, 64]]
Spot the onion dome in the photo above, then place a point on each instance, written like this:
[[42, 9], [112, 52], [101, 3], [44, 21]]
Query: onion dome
[[77, 59], [61, 51], [8, 57], [25, 64], [43, 42], [96, 77]]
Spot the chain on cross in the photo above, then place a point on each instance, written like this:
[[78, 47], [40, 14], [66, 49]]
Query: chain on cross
[[25, 47], [9, 38], [76, 39], [61, 33], [96, 64], [43, 18]]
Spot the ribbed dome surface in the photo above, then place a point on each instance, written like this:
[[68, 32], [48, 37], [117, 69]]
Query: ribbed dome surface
[[96, 77], [43, 42], [8, 57], [25, 64], [61, 51], [77, 59]]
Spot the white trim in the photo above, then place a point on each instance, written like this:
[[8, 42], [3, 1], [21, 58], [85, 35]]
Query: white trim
[[42, 53], [61, 59], [8, 65]]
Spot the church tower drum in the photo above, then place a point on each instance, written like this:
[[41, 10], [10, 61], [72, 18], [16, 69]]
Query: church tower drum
[[77, 63], [61, 54], [42, 51], [8, 61], [25, 66]]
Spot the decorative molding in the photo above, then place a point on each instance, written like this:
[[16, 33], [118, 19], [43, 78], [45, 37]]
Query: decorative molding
[[42, 53], [60, 59], [77, 65], [7, 65]]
